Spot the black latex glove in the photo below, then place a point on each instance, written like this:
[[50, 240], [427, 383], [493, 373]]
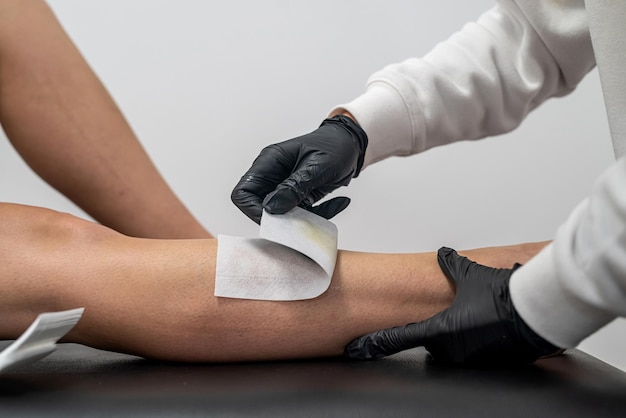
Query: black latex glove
[[302, 170], [481, 327]]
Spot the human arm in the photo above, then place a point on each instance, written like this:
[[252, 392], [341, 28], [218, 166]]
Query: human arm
[[481, 326], [572, 288], [154, 298], [302, 170], [583, 273], [480, 82], [63, 122]]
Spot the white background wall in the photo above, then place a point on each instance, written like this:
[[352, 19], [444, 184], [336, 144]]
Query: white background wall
[[206, 85]]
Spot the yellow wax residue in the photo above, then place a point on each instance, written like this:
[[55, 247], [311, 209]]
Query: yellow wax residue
[[318, 235]]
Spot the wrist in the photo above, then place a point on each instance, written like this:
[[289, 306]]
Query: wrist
[[340, 111], [348, 115], [357, 134]]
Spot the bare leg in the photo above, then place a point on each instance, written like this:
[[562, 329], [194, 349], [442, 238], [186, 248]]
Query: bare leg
[[65, 125], [155, 297]]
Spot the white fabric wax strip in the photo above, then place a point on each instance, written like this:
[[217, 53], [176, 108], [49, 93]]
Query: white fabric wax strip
[[293, 259], [39, 339]]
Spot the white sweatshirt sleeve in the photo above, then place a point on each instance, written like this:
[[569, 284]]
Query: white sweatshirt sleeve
[[577, 284], [482, 81]]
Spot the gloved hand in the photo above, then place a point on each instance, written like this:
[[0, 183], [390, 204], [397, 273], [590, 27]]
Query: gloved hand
[[302, 170], [481, 327]]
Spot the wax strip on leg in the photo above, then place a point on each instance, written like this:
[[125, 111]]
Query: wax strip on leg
[[305, 232], [293, 260]]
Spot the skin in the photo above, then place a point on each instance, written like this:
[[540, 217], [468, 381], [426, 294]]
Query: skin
[[154, 298], [146, 296], [80, 144]]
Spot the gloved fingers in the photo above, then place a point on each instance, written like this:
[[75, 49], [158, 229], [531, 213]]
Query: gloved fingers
[[452, 264], [268, 170], [248, 195], [305, 185], [331, 207], [282, 199], [388, 341], [249, 203], [460, 269]]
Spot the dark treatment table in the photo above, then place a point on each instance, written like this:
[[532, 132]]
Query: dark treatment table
[[77, 381]]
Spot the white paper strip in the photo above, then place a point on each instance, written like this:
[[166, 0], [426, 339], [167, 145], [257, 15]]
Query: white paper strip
[[293, 259], [39, 339]]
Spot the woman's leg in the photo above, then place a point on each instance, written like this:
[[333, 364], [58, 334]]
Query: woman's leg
[[155, 298], [66, 126]]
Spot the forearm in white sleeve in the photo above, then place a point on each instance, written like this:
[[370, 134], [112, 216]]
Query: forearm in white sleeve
[[482, 81], [577, 284]]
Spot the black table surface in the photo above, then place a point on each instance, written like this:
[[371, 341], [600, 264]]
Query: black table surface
[[80, 381]]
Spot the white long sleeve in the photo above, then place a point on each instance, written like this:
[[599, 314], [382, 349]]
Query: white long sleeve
[[578, 283], [482, 81]]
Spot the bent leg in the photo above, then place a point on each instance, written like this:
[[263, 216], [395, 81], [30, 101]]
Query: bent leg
[[154, 298], [63, 122]]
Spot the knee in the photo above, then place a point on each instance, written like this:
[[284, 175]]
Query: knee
[[60, 229], [45, 230]]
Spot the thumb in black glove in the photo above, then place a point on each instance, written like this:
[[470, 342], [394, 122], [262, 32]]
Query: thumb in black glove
[[302, 170], [481, 327]]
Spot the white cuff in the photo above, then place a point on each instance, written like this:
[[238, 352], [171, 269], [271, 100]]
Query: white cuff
[[383, 115], [548, 307]]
